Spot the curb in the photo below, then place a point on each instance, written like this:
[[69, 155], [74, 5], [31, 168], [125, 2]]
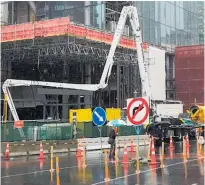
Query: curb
[[63, 150]]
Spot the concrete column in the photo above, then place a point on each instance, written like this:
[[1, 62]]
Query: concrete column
[[79, 101], [173, 60], [65, 107], [167, 65], [4, 12], [87, 13], [57, 113], [88, 99], [10, 117], [9, 72], [118, 86], [44, 111], [51, 111], [88, 73]]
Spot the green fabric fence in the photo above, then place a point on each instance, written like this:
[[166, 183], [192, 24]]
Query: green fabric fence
[[38, 130], [90, 131], [35, 131]]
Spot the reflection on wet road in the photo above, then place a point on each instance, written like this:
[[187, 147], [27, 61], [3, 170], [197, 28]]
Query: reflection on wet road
[[92, 170]]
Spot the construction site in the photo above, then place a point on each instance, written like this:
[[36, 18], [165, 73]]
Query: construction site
[[73, 72]]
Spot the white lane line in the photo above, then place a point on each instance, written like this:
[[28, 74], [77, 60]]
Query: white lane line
[[142, 172], [68, 167]]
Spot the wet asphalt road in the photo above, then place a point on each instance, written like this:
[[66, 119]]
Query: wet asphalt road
[[31, 171]]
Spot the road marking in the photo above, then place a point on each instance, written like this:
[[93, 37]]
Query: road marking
[[68, 167], [143, 172]]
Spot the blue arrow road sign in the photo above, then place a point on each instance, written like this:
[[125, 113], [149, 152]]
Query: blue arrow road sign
[[99, 116]]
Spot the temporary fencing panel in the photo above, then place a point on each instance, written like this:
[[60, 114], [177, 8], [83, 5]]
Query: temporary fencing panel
[[91, 131], [80, 130], [85, 115], [34, 130], [112, 114], [8, 133], [82, 115]]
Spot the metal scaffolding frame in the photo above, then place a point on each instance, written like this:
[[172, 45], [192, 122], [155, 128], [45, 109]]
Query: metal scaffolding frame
[[62, 49], [77, 47]]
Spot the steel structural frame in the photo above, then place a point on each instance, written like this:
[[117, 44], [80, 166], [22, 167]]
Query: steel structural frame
[[130, 12], [67, 49]]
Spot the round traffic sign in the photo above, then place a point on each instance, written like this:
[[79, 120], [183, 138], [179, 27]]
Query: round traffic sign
[[134, 108], [99, 116]]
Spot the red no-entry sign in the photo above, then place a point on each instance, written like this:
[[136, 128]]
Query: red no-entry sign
[[138, 111]]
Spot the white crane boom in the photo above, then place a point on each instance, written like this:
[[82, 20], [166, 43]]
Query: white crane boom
[[127, 11]]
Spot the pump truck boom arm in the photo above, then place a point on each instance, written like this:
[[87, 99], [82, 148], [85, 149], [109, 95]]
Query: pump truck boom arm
[[131, 12], [127, 11]]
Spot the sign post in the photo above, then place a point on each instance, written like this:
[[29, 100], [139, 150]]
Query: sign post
[[100, 130], [74, 125], [99, 118], [138, 113], [138, 129]]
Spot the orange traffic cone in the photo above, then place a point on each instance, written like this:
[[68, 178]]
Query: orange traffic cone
[[125, 156], [153, 156], [41, 164], [79, 163], [79, 151], [6, 156], [171, 143], [132, 147], [187, 141], [41, 156]]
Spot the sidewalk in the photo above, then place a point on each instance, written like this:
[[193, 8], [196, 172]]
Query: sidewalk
[[65, 146]]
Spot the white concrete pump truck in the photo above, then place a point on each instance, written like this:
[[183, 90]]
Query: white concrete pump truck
[[127, 12]]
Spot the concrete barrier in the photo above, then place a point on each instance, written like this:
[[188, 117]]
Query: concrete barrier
[[33, 148], [66, 146], [95, 144]]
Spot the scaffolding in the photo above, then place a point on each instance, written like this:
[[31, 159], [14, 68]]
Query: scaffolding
[[59, 46]]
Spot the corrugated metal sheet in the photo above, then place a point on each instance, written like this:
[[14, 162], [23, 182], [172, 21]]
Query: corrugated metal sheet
[[189, 74]]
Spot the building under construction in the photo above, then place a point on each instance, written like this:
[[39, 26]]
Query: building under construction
[[69, 42]]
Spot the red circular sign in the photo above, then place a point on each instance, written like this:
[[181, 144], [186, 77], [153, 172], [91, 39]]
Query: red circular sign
[[132, 117]]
